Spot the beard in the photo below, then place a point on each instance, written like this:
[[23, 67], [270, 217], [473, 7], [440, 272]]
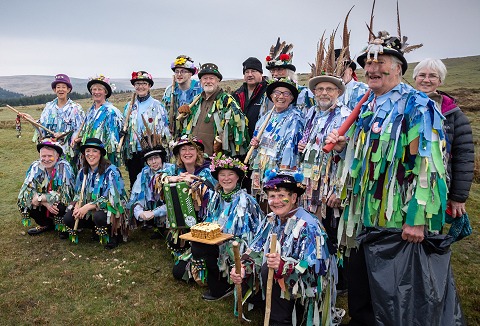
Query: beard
[[209, 89], [324, 104]]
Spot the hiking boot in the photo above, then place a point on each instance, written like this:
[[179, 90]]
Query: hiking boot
[[38, 230], [207, 296]]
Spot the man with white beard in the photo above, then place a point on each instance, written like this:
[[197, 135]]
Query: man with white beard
[[216, 117]]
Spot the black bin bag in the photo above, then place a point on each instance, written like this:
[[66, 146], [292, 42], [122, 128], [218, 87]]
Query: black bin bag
[[410, 283]]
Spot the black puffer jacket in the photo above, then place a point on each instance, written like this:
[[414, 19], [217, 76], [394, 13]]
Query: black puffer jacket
[[251, 106], [460, 149]]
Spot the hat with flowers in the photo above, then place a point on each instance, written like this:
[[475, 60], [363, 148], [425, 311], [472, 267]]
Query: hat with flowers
[[184, 61], [102, 80], [141, 76], [280, 56], [282, 82], [223, 162], [190, 140]]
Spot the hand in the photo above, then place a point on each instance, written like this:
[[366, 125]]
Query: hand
[[56, 134], [217, 146], [184, 109], [333, 201], [35, 201], [301, 147], [26, 116], [82, 211], [237, 279], [458, 209], [75, 141], [413, 234], [148, 215], [254, 142], [273, 260], [52, 208], [335, 138]]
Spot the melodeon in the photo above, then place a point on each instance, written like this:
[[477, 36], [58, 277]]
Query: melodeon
[[180, 209]]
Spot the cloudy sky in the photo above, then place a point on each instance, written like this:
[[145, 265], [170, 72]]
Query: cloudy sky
[[114, 37]]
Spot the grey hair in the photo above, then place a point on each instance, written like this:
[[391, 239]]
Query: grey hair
[[433, 64], [291, 74], [397, 61]]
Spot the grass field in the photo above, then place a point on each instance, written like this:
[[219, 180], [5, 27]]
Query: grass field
[[48, 281]]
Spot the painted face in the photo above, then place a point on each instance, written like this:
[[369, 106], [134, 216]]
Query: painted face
[[154, 162], [281, 97], [62, 91], [281, 201], [427, 80], [279, 72], [99, 93], [141, 88], [252, 76], [188, 154], [209, 83], [182, 75], [228, 180], [326, 95], [93, 155], [48, 157], [382, 76]]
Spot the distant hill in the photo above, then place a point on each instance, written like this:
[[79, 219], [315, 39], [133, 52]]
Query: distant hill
[[31, 85], [7, 94]]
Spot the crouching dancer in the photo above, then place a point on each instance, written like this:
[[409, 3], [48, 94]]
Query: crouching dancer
[[100, 199], [304, 288], [47, 189]]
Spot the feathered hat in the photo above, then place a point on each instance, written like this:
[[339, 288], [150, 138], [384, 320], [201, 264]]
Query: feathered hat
[[280, 56], [325, 69], [151, 142], [383, 43], [291, 180], [347, 60]]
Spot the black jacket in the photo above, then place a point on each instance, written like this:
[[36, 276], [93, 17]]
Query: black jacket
[[251, 106]]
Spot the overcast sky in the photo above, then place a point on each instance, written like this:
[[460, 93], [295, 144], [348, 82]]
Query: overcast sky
[[83, 38]]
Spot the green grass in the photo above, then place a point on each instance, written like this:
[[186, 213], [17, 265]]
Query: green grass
[[45, 280]]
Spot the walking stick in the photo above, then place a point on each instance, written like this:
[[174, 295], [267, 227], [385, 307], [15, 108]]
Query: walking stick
[[260, 132], [186, 107], [125, 125], [33, 122], [74, 237], [348, 122], [268, 299], [171, 115], [238, 287]]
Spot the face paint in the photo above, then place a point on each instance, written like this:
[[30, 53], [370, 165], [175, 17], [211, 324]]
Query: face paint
[[386, 73], [285, 200]]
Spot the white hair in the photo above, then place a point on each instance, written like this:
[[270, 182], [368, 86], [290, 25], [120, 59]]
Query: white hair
[[433, 64], [397, 61], [291, 74]]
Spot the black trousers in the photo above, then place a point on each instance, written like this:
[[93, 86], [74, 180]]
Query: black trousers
[[359, 298], [134, 167], [217, 284], [40, 217], [99, 219]]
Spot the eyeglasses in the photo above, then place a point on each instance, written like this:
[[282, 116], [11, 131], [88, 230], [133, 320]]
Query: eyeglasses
[[329, 90], [431, 77], [138, 84], [181, 72], [284, 93], [153, 158]]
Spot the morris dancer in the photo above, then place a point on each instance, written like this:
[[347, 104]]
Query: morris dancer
[[104, 121], [216, 117], [145, 109], [104, 198], [47, 190], [185, 89], [304, 266]]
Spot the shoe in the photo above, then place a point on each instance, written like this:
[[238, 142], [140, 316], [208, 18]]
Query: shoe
[[38, 230], [63, 235], [113, 242], [156, 235], [207, 296], [95, 237]]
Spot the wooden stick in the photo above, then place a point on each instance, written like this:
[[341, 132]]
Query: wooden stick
[[348, 122], [260, 132], [268, 298], [33, 122], [125, 125], [80, 200], [171, 114], [195, 100], [238, 287]]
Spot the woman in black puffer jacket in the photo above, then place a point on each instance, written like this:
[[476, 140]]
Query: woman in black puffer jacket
[[428, 75]]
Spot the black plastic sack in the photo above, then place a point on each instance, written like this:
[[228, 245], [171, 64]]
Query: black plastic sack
[[410, 283]]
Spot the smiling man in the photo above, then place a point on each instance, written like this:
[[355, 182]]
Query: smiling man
[[394, 175], [47, 190], [216, 118]]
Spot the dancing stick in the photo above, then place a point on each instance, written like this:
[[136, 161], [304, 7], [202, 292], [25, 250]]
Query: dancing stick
[[260, 132], [33, 122], [80, 200], [348, 122], [187, 107], [125, 125], [238, 287], [268, 299], [171, 114]]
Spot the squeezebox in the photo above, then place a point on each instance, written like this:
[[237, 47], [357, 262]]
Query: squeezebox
[[180, 209]]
